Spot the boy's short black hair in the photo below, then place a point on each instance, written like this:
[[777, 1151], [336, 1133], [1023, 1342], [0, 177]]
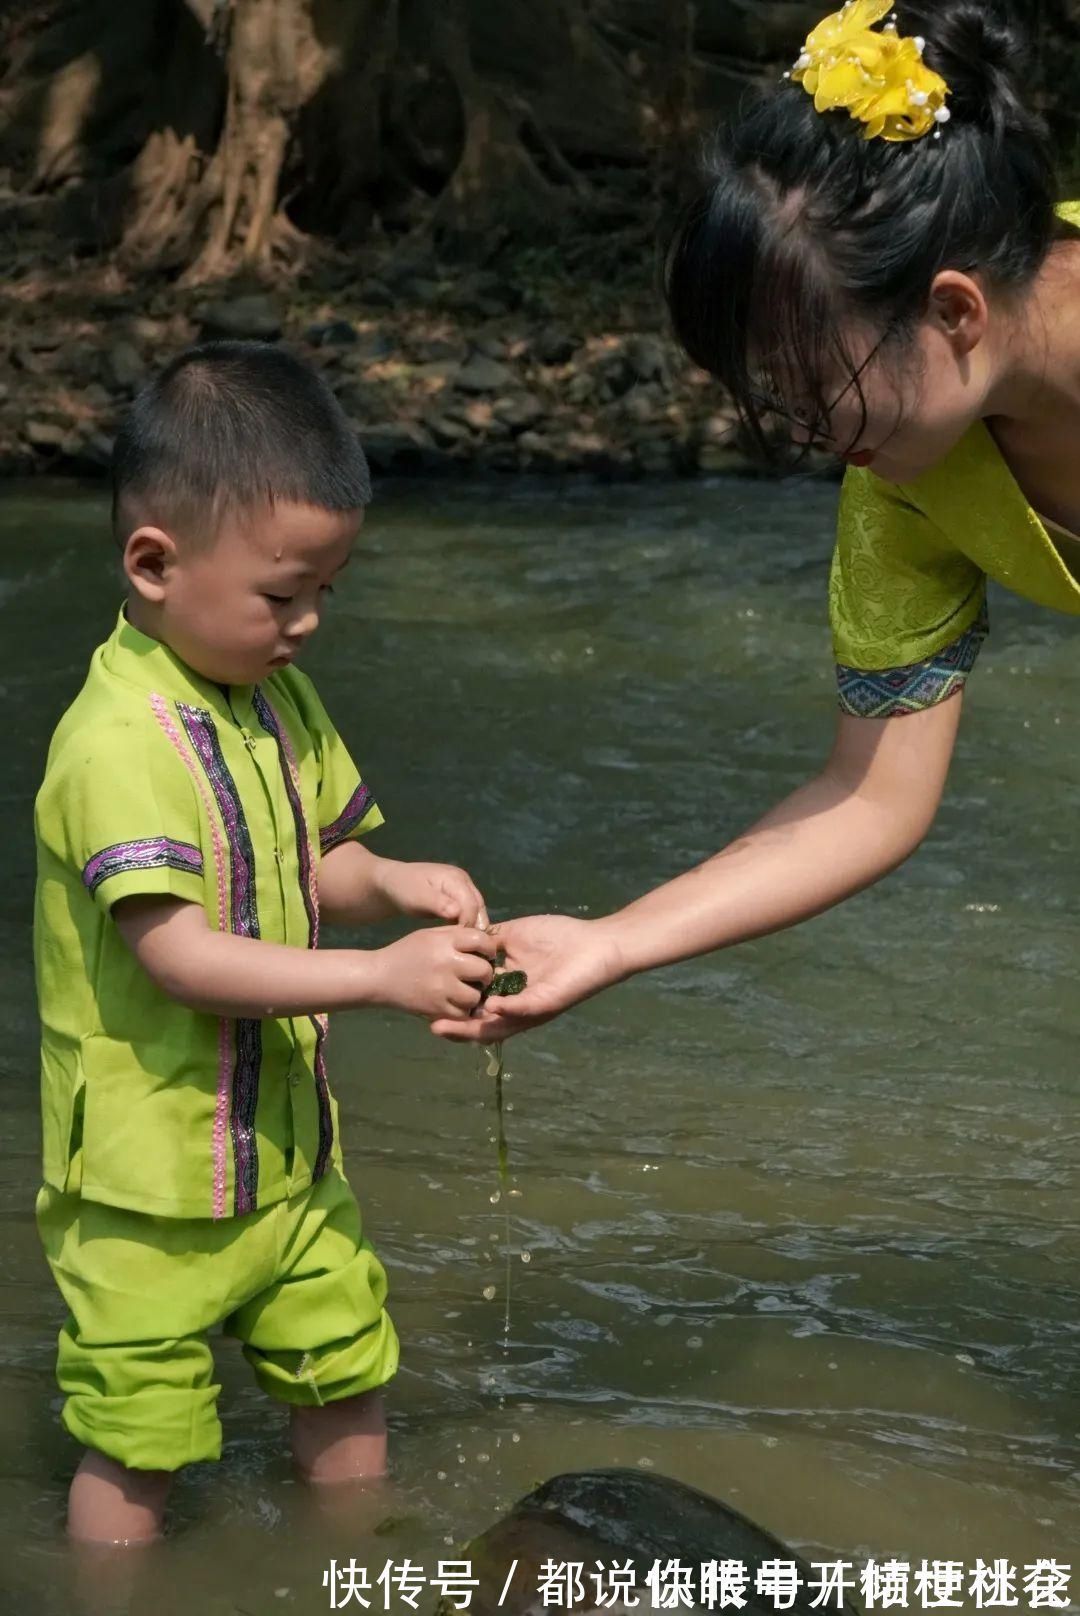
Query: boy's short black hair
[[234, 426]]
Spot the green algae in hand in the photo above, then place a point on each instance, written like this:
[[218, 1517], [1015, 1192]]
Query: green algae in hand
[[506, 983]]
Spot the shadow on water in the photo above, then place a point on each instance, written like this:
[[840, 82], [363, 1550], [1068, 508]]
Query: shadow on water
[[802, 1218]]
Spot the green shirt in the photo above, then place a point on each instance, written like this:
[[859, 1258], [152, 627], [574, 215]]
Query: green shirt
[[158, 781], [907, 590]]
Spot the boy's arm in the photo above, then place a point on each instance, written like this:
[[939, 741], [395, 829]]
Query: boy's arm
[[437, 972], [358, 888]]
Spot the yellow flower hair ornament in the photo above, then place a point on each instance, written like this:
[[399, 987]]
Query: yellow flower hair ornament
[[878, 78]]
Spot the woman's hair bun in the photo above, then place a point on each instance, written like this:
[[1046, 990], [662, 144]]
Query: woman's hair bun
[[982, 54]]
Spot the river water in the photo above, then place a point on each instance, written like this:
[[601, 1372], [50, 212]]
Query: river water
[[802, 1218]]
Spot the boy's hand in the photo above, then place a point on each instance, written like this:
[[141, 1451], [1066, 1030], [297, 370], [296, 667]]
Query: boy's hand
[[438, 974], [438, 891]]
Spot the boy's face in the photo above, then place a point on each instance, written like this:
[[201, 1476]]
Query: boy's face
[[240, 608]]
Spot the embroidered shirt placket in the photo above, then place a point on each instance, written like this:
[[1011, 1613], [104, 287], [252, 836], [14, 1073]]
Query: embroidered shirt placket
[[268, 780]]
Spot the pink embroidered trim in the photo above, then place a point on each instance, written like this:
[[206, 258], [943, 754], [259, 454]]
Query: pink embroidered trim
[[294, 772], [221, 1112]]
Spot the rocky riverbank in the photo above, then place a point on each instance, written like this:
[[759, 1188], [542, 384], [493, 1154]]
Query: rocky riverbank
[[442, 370]]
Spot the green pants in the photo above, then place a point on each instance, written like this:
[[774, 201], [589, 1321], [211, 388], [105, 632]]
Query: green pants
[[297, 1283]]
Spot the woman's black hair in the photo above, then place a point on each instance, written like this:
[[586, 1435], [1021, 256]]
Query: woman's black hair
[[803, 223]]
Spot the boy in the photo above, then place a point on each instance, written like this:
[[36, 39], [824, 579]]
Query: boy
[[198, 816]]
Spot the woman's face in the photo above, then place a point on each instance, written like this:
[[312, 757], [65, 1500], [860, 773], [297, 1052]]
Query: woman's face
[[921, 390]]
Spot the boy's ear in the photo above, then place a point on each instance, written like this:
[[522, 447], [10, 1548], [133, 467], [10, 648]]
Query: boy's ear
[[150, 556]]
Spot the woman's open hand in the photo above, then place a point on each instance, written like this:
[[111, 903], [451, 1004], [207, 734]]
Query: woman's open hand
[[565, 961]]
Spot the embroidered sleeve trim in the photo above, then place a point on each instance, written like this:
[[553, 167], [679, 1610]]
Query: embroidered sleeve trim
[[356, 809], [155, 853], [895, 692]]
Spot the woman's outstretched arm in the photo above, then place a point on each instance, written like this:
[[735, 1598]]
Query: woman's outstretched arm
[[865, 813]]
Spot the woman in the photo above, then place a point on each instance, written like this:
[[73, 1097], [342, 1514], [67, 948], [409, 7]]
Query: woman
[[877, 262]]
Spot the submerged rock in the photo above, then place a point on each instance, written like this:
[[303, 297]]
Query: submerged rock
[[620, 1517]]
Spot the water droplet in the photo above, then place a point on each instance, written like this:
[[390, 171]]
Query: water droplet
[[965, 1357], [440, 1475], [495, 1197], [515, 1193], [694, 1341], [489, 1293], [514, 1437], [483, 1458], [834, 1366], [526, 1256], [645, 1464]]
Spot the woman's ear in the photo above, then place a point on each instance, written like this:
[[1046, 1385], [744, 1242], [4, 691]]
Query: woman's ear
[[150, 557], [958, 309]]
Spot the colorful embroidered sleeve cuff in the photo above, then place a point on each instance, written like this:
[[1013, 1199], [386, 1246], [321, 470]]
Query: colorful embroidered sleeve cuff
[[895, 692], [358, 816], [155, 864]]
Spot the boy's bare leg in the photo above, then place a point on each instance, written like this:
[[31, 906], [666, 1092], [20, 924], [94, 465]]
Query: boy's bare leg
[[342, 1441], [108, 1503]]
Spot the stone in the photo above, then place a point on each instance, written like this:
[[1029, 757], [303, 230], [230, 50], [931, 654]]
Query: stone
[[490, 294], [45, 434], [141, 328], [447, 431], [519, 411], [356, 399], [438, 374], [533, 443], [492, 346], [396, 445], [648, 358], [618, 377], [589, 450], [480, 374], [252, 317], [33, 361], [44, 341], [580, 387], [554, 347], [430, 350], [83, 365], [331, 334], [635, 1520], [720, 428], [376, 294], [97, 449], [370, 347], [641, 406], [96, 396], [423, 288], [124, 367]]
